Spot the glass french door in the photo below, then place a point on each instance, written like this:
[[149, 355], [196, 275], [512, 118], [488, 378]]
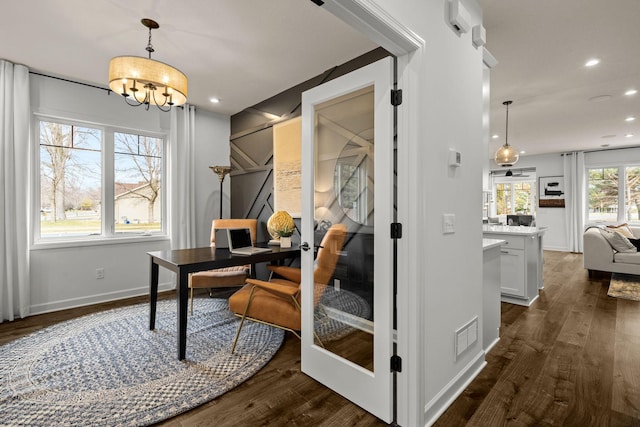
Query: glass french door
[[347, 178]]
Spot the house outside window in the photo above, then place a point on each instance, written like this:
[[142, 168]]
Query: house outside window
[[97, 182], [613, 194]]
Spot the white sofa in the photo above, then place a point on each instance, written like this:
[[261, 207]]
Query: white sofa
[[600, 256]]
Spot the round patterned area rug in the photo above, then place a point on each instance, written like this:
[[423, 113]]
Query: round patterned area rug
[[109, 369]]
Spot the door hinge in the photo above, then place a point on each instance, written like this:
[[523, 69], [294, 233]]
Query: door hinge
[[396, 363], [396, 97], [396, 230]]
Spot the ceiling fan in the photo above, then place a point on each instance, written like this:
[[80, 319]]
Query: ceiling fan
[[518, 174]]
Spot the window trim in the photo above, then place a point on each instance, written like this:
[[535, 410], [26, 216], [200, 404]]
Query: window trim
[[108, 234], [622, 176], [532, 178]]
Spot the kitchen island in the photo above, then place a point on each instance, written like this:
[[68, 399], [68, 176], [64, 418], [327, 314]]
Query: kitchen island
[[521, 261]]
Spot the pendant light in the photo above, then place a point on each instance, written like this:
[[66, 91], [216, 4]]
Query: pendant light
[[145, 81], [506, 156]]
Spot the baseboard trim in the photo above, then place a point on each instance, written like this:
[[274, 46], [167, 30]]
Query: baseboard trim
[[493, 344], [451, 391], [94, 299]]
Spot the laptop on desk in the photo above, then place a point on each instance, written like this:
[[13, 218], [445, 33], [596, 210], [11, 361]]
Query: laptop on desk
[[240, 242]]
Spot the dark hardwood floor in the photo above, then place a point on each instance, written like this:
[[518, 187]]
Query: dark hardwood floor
[[571, 359]]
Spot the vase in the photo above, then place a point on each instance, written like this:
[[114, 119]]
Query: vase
[[285, 242]]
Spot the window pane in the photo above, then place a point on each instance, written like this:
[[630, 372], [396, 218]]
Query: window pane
[[603, 194], [523, 198], [503, 199], [137, 183], [70, 180], [632, 194]]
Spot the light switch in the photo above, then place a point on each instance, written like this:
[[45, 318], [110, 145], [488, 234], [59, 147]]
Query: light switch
[[448, 223]]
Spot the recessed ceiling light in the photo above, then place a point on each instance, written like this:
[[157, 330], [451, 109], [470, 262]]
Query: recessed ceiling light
[[495, 136], [592, 62], [522, 152], [629, 119], [631, 92], [629, 135], [214, 100]]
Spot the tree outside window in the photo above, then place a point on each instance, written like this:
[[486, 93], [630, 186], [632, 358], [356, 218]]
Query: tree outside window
[[137, 182], [515, 198], [614, 194], [72, 181]]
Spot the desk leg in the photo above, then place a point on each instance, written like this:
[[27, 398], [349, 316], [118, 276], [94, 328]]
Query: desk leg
[[153, 294], [183, 297]]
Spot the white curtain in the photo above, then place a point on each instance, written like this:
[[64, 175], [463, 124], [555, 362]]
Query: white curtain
[[574, 199], [14, 194], [182, 142]]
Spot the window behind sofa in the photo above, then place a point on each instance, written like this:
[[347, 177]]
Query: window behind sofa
[[614, 194]]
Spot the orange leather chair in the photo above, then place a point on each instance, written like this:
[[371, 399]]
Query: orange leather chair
[[229, 276], [277, 302]]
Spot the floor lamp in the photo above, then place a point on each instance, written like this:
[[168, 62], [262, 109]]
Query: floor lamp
[[222, 171]]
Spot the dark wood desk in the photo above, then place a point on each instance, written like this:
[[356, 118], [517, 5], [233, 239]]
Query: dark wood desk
[[185, 261]]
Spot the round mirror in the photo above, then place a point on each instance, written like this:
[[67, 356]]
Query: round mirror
[[353, 178]]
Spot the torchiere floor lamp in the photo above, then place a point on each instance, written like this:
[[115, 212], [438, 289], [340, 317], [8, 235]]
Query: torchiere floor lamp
[[222, 171]]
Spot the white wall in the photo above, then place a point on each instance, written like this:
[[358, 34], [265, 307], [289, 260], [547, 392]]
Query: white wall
[[64, 277], [556, 236], [439, 275], [212, 142]]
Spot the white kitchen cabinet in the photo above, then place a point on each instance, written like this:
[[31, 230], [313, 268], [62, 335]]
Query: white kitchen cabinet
[[520, 262]]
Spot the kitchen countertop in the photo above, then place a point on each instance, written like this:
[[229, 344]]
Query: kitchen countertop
[[513, 230], [491, 243]]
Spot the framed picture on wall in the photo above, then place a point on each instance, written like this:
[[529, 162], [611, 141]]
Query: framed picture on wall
[[551, 192], [287, 167]]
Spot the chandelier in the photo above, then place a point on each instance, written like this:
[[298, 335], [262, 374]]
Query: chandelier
[[144, 81], [506, 155]]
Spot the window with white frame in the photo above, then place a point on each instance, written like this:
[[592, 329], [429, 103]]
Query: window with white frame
[[515, 194], [98, 181], [613, 194]]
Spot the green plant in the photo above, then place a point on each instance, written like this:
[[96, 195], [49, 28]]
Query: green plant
[[286, 231]]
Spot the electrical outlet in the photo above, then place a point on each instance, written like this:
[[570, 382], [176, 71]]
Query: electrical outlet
[[99, 273]]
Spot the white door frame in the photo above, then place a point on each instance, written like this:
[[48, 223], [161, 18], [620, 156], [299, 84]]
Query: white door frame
[[377, 24]]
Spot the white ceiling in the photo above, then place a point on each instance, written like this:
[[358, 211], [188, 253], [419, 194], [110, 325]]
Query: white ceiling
[[245, 51], [542, 47]]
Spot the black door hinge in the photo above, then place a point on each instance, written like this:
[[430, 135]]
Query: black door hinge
[[396, 97], [396, 363], [396, 230]]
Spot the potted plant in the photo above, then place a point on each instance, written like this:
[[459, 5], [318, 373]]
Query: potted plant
[[285, 236]]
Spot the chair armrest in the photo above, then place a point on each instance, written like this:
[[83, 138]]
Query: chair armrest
[[275, 288], [290, 273]]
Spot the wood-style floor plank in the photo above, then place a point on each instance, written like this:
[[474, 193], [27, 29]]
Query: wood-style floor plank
[[571, 359]]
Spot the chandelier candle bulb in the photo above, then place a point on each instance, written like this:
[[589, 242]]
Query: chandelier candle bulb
[[152, 75]]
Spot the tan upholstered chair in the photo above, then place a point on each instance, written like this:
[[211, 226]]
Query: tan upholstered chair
[[229, 276], [277, 302]]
